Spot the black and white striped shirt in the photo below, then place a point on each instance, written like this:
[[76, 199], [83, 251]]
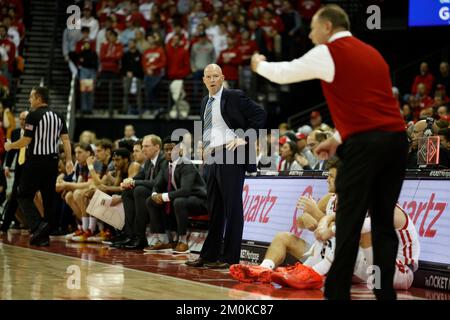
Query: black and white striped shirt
[[45, 128]]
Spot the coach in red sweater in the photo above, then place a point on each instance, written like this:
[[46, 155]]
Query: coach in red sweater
[[372, 142]]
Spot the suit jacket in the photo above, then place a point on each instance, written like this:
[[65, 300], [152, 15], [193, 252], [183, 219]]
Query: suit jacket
[[240, 112], [187, 178], [15, 135], [143, 177]]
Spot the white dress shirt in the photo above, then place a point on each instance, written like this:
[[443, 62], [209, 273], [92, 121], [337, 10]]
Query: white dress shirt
[[220, 132], [317, 63], [165, 196]]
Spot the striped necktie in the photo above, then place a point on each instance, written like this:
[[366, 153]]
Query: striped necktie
[[207, 124]]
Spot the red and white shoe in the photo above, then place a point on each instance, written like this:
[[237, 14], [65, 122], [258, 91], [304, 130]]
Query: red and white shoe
[[298, 276], [249, 274], [77, 233], [83, 237]]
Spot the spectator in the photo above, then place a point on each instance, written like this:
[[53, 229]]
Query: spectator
[[130, 32], [180, 32], [313, 140], [418, 133], [246, 47], [273, 27], [89, 21], [141, 43], [230, 59], [102, 34], [132, 77], [258, 35], [111, 54], [87, 62], [154, 64], [443, 77], [288, 157], [195, 17], [442, 111], [13, 33], [70, 39], [407, 113], [423, 99], [178, 60], [8, 121], [202, 54], [292, 26], [129, 133], [219, 39], [444, 134], [10, 49], [304, 155], [136, 15], [316, 122], [441, 91], [145, 8], [283, 128], [424, 77]]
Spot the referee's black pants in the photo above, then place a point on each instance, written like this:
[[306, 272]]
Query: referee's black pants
[[39, 174], [370, 178]]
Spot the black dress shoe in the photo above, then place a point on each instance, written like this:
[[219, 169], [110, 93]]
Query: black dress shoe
[[135, 244], [40, 232], [42, 242], [217, 265], [200, 262], [120, 242]]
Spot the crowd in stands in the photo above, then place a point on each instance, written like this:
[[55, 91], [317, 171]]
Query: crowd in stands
[[139, 43], [12, 35]]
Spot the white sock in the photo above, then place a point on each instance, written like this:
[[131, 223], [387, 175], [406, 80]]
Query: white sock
[[267, 263], [162, 237], [101, 226], [173, 236], [183, 239], [322, 267], [85, 223], [80, 227], [92, 224], [368, 254]]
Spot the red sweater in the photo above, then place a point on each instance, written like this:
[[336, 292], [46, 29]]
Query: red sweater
[[360, 97], [111, 56], [154, 59], [178, 62], [231, 68], [426, 79]]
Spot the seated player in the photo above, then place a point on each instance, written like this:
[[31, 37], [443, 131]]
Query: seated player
[[320, 254], [407, 254]]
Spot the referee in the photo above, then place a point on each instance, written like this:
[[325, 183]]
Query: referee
[[372, 142], [43, 129]]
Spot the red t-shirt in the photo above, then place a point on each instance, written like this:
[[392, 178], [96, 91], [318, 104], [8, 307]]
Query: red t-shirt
[[229, 60], [110, 56], [155, 58]]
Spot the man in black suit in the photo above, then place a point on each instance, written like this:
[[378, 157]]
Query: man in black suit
[[179, 191], [136, 191], [12, 204], [225, 110]]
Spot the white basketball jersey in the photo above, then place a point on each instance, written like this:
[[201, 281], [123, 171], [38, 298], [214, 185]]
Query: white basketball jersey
[[331, 205]]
